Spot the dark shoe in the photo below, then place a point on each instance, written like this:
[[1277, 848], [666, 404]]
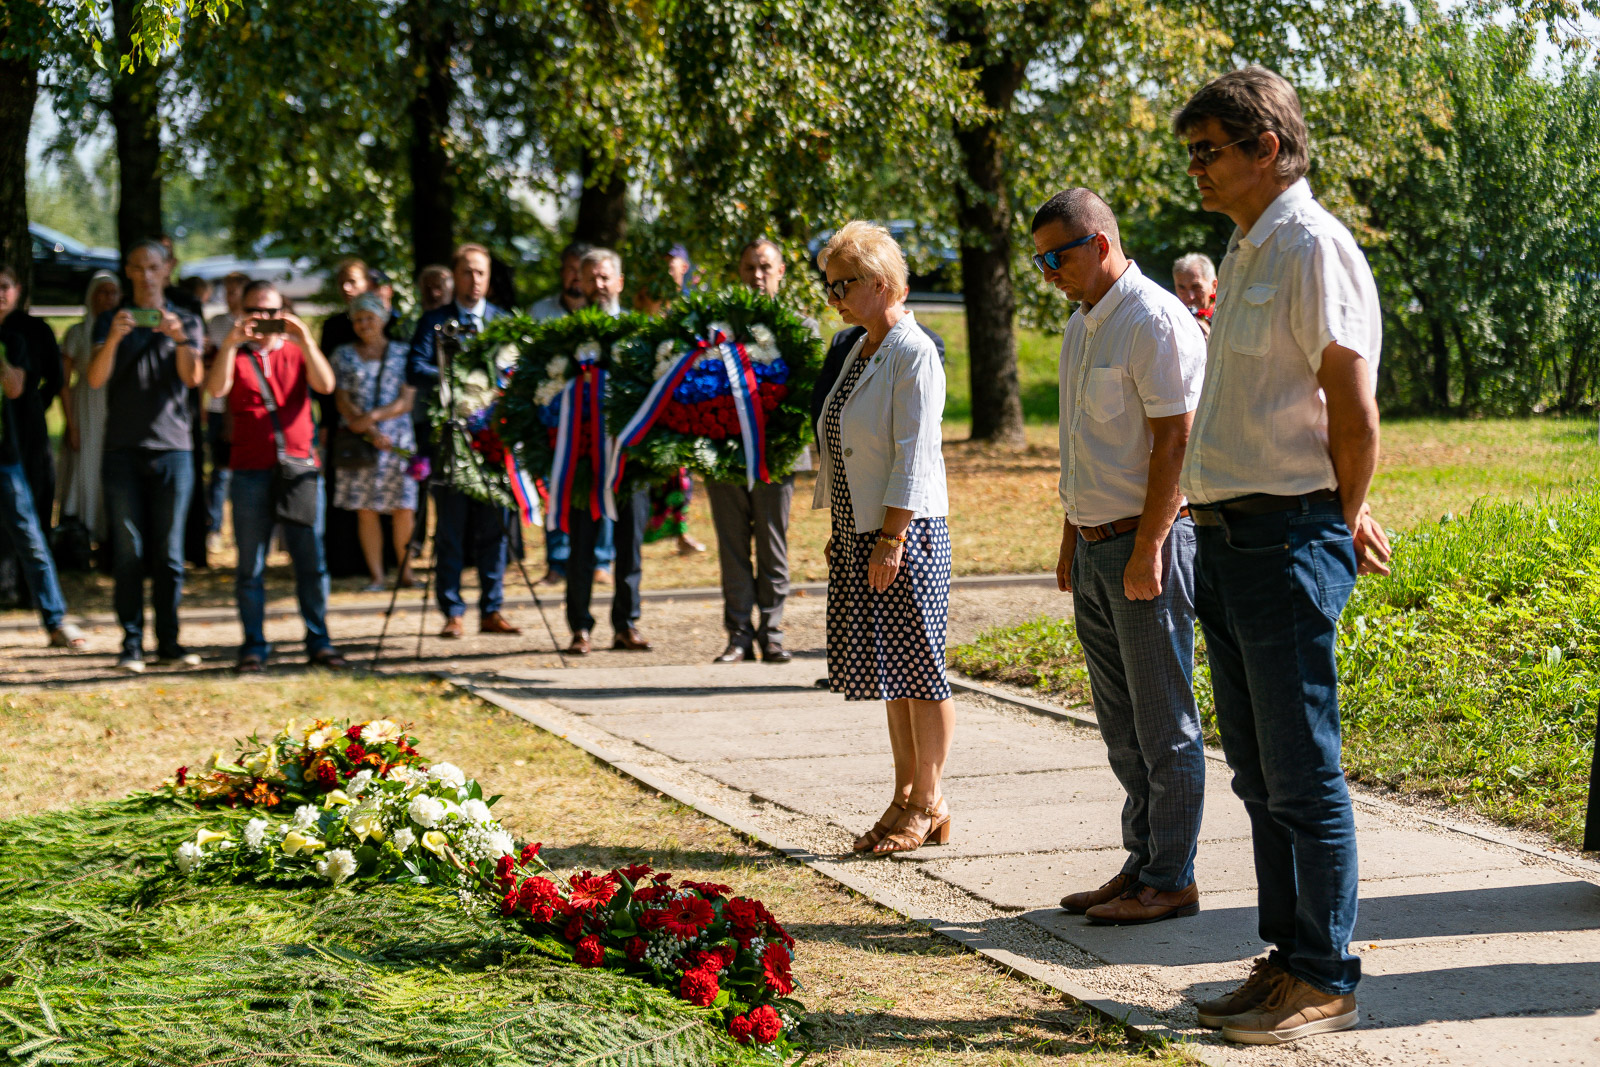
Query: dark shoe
[[580, 644], [735, 654], [178, 657], [248, 665], [496, 623], [452, 628], [328, 658], [1078, 903], [775, 653], [1264, 977], [631, 640], [1291, 1010], [1145, 904]]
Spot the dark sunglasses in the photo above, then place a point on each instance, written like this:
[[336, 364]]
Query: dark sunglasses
[[1052, 258], [1201, 152], [262, 311], [837, 289]]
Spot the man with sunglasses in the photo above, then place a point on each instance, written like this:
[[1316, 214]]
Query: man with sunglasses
[[1131, 364], [1284, 445]]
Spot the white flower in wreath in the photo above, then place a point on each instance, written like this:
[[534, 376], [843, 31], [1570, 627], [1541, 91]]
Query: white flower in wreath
[[505, 357], [666, 356], [501, 844], [476, 393], [765, 349], [403, 838], [548, 391], [189, 857], [305, 817], [556, 369], [337, 866], [425, 811], [588, 352], [476, 811], [448, 773], [380, 731], [255, 834]]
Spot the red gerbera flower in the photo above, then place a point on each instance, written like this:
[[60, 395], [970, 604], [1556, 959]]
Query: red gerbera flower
[[698, 988], [685, 917], [775, 969], [709, 889], [765, 1024], [633, 871], [589, 891], [589, 953]]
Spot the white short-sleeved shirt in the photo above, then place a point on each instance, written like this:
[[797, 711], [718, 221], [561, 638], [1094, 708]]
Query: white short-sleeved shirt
[[549, 308], [1293, 285], [1136, 354]]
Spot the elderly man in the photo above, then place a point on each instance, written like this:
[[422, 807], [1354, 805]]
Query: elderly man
[[463, 520], [757, 515], [149, 356], [1131, 365], [600, 276], [1194, 279], [1280, 458]]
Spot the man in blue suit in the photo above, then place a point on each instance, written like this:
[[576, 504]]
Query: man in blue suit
[[462, 521]]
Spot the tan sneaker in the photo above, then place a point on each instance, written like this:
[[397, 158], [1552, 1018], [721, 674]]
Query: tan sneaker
[[1292, 1010], [1263, 977]]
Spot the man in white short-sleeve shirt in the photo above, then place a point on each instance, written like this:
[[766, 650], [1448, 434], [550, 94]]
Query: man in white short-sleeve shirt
[[1131, 365], [1282, 452]]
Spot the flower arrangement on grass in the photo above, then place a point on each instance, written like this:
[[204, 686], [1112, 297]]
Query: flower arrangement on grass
[[468, 408], [721, 386], [399, 821], [556, 406]]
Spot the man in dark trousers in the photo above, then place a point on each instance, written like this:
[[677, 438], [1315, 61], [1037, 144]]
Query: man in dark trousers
[[40, 357], [463, 521]]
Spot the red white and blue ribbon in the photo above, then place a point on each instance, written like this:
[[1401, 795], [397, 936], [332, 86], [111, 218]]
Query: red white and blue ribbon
[[747, 403], [655, 402], [582, 401], [523, 490]]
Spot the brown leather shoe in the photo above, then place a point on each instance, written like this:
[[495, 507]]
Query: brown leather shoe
[[1264, 976], [1078, 903], [735, 654], [496, 623], [773, 652], [631, 640], [452, 628], [1290, 1011], [1145, 904], [580, 644]]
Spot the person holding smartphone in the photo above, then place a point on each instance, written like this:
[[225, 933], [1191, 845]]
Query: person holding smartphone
[[271, 349], [148, 356]]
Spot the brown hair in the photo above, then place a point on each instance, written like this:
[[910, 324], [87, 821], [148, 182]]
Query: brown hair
[[350, 263], [468, 249], [1249, 102]]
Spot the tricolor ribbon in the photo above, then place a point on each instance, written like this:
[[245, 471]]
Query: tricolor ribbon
[[522, 489], [746, 402], [581, 401]]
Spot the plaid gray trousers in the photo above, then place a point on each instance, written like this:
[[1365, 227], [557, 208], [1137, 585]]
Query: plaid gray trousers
[[1141, 676]]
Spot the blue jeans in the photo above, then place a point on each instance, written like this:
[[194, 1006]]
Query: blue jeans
[[220, 451], [465, 522], [1269, 591], [558, 546], [147, 500], [253, 520], [38, 566], [1141, 672]]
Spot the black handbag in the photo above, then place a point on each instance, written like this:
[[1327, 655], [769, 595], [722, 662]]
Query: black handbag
[[296, 489], [352, 451]]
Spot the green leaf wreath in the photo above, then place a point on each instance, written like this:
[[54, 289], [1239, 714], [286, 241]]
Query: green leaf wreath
[[698, 430], [476, 377]]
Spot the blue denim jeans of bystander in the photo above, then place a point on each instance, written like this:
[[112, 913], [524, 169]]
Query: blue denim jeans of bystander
[[38, 566], [147, 500], [1269, 592], [253, 520]]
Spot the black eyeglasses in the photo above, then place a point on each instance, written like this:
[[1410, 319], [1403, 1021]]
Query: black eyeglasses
[[1052, 258], [1205, 155], [837, 289], [262, 311]]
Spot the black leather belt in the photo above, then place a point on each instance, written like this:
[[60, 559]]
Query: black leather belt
[[1258, 504]]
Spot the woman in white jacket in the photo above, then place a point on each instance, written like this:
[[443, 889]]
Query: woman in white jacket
[[882, 474]]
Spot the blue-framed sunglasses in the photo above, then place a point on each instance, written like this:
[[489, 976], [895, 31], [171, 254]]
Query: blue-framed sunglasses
[[1052, 258]]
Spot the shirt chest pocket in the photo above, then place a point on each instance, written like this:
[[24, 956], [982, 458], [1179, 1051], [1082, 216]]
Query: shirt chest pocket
[[1250, 332], [1103, 395]]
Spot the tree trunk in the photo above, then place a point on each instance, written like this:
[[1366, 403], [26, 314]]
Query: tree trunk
[[983, 211], [602, 206], [135, 115], [433, 184], [19, 88], [1441, 362]]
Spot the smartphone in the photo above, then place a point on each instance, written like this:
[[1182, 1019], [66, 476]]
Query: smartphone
[[264, 326], [149, 318]]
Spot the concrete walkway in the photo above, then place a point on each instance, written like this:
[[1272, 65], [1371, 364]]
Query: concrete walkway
[[1474, 952]]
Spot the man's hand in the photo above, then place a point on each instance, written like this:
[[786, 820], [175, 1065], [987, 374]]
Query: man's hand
[[1371, 543], [74, 440], [12, 379], [1141, 578], [295, 326], [121, 326], [172, 326], [1069, 549]]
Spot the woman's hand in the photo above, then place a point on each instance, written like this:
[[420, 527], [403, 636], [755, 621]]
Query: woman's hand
[[827, 553], [381, 442], [74, 441], [884, 565], [361, 423]]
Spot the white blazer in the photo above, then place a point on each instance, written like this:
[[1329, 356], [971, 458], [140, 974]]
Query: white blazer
[[889, 431]]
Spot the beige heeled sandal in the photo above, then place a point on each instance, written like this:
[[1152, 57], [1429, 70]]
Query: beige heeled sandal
[[907, 837], [880, 829]]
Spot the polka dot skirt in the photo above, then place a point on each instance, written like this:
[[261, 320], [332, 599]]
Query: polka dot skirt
[[889, 645]]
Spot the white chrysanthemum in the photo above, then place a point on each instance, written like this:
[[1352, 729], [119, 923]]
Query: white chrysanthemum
[[762, 335], [720, 327], [448, 773], [505, 357], [587, 352], [406, 774], [381, 731], [255, 834], [548, 392], [305, 817], [403, 838], [189, 857], [359, 783], [476, 811], [556, 369], [425, 811], [665, 350], [318, 740], [337, 866], [501, 844]]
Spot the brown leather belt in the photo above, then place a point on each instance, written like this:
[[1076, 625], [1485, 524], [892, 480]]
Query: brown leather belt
[[1121, 526], [1258, 504]]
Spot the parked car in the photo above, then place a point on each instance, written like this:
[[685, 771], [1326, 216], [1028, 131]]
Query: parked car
[[62, 266], [932, 257]]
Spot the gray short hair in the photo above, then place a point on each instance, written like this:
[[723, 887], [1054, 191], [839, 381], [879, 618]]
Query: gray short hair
[[1196, 263], [596, 256], [155, 248]]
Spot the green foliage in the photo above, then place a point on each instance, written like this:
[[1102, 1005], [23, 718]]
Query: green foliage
[[109, 961], [1471, 674]]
